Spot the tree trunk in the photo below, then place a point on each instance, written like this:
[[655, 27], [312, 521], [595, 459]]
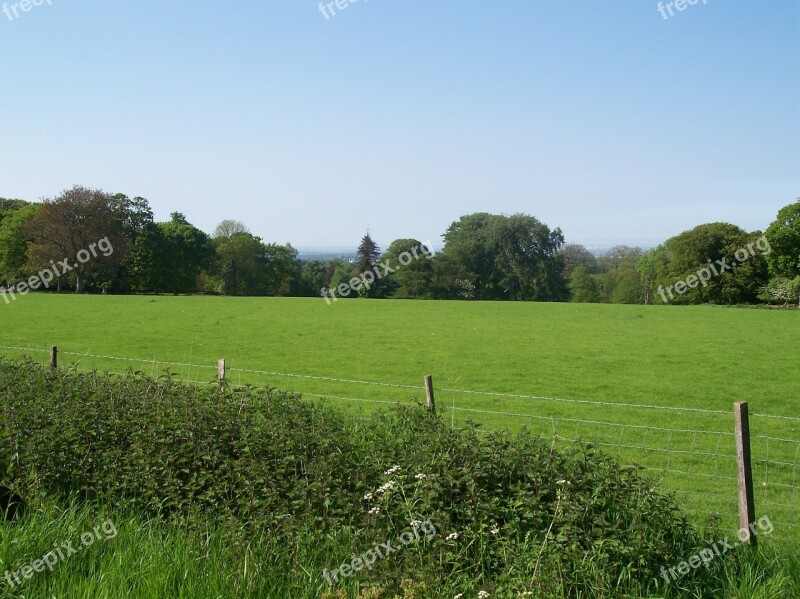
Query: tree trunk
[[79, 282]]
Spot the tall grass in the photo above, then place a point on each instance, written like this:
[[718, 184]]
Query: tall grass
[[151, 559]]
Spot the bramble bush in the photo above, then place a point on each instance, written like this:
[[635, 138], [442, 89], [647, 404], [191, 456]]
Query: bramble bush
[[512, 514]]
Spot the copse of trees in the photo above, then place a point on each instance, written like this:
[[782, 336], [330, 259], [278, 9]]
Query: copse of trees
[[784, 237], [784, 259], [713, 246], [148, 257], [497, 257], [485, 257], [613, 277], [72, 223], [766, 268]]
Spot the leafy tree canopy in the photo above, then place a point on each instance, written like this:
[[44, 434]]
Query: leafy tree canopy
[[784, 237], [71, 223], [713, 246], [508, 257]]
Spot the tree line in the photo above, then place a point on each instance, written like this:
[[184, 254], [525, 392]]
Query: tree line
[[485, 257]]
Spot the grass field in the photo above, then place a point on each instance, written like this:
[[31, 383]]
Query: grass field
[[687, 364]]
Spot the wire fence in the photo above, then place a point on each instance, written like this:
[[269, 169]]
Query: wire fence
[[689, 451]]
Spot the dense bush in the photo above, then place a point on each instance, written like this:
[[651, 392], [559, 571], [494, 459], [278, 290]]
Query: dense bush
[[167, 448], [510, 513]]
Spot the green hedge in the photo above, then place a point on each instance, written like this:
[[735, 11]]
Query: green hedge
[[510, 512]]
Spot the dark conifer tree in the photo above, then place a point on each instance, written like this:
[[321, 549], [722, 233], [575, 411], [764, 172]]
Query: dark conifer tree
[[368, 255]]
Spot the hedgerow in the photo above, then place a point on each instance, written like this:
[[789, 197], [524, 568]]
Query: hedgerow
[[511, 514]]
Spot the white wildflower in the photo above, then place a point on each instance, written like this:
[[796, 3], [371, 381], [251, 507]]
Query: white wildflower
[[494, 530], [483, 594], [368, 497], [453, 536], [392, 470], [375, 511], [386, 487]]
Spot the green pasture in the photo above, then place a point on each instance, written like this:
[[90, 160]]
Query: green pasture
[[654, 385]]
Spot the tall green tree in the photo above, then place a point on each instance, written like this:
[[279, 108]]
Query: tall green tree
[[714, 247], [583, 286], [240, 264], [508, 257], [14, 241], [282, 268], [245, 265], [368, 255], [143, 269], [784, 238], [413, 269], [188, 252]]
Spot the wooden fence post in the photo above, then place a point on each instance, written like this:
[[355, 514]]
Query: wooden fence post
[[221, 375], [54, 358], [429, 393], [747, 509]]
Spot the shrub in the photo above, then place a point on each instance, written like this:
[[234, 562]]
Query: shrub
[[510, 512]]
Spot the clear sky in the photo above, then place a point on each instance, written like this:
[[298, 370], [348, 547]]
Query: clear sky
[[603, 118]]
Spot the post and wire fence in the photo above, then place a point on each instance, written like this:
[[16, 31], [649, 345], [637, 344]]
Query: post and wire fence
[[725, 467]]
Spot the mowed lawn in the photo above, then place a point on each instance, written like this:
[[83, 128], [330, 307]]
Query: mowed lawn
[[692, 358]]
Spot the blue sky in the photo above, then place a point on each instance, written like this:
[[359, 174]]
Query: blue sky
[[602, 118]]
